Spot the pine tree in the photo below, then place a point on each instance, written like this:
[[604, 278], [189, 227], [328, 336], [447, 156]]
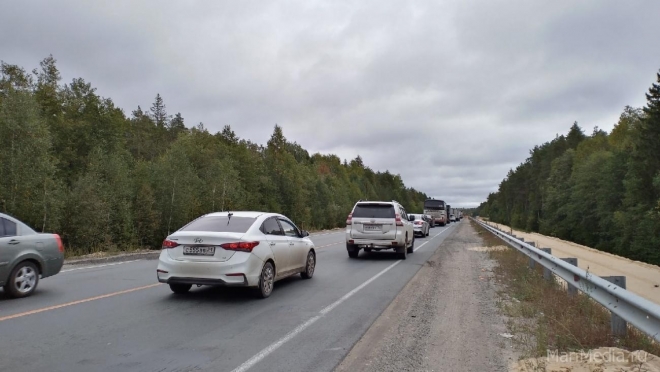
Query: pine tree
[[159, 112]]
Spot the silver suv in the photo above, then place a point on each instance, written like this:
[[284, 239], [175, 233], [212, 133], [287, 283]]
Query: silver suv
[[376, 225]]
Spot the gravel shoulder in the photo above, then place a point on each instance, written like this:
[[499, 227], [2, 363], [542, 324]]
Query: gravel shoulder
[[641, 278], [445, 319]]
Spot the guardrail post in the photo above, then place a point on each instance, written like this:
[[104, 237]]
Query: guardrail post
[[572, 289], [619, 326], [532, 263], [547, 273]]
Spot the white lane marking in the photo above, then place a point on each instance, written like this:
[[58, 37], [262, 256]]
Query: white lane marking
[[274, 346], [98, 266], [423, 244]]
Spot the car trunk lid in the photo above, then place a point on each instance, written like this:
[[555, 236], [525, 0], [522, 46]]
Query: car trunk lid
[[202, 246]]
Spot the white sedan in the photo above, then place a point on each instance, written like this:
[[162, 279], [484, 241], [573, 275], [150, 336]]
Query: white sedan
[[248, 249]]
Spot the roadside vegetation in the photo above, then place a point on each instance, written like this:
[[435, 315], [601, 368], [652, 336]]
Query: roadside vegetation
[[72, 162], [541, 314], [600, 190]]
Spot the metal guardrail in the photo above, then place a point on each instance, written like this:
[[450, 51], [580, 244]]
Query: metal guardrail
[[638, 311]]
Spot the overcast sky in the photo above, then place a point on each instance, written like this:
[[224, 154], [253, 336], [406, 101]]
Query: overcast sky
[[467, 87]]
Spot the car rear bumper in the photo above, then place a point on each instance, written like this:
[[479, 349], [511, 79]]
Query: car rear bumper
[[246, 271], [202, 281], [378, 244], [52, 266]]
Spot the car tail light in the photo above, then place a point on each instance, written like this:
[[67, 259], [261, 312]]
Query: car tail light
[[240, 246], [398, 220], [60, 245], [419, 223], [349, 219], [169, 244]]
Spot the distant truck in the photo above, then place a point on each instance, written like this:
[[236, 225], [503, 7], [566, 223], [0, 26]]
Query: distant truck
[[448, 213], [437, 210]]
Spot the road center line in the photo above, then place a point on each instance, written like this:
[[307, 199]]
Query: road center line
[[274, 346], [26, 313]]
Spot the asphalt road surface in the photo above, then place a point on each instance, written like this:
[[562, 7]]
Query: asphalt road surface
[[116, 317]]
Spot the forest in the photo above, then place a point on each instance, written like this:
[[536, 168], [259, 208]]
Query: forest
[[73, 163], [601, 190]]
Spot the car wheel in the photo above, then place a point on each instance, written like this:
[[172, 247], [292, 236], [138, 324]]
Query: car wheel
[[179, 288], [368, 250], [23, 280], [411, 249], [266, 280], [309, 266], [353, 250]]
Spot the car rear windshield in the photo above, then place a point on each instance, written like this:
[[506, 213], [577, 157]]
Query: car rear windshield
[[373, 211], [220, 224]]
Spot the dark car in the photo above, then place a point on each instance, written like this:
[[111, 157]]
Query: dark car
[[26, 255]]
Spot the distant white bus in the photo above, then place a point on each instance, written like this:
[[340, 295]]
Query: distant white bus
[[437, 210]]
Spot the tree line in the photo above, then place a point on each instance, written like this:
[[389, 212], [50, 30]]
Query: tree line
[[601, 190], [74, 163]]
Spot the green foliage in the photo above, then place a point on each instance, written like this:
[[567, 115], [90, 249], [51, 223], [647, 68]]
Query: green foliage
[[73, 163], [601, 190]]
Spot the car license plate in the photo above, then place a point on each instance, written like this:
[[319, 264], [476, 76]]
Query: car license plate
[[198, 250], [373, 227]]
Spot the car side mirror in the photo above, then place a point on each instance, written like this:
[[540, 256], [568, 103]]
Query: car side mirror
[[305, 234], [411, 218]]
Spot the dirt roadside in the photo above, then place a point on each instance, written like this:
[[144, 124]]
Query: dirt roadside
[[641, 278], [445, 319]]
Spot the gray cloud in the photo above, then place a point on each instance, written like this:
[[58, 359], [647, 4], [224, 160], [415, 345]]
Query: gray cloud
[[468, 87]]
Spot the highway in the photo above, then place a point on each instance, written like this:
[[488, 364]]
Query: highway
[[116, 317]]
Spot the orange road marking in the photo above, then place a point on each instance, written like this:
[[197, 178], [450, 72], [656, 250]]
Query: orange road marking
[[26, 313]]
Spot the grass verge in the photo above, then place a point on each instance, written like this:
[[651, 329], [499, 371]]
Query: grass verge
[[542, 316]]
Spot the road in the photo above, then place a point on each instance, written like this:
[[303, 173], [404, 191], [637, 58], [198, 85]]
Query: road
[[116, 317]]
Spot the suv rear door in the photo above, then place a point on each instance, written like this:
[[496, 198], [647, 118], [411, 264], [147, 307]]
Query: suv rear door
[[375, 221]]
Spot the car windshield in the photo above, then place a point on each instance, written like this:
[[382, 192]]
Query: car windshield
[[220, 224], [373, 211]]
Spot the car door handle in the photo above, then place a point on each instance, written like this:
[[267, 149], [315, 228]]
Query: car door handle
[[13, 242], [271, 244]]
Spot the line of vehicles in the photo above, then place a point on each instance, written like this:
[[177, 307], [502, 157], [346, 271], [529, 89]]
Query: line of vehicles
[[246, 249], [380, 225]]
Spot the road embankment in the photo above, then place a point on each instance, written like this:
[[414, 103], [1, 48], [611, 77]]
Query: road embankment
[[641, 278]]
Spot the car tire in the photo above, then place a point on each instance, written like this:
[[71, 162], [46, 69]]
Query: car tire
[[428, 232], [310, 265], [266, 280], [403, 253], [411, 249], [353, 250], [180, 288], [368, 250], [23, 280]]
